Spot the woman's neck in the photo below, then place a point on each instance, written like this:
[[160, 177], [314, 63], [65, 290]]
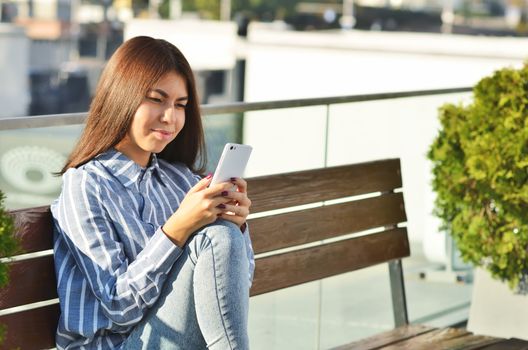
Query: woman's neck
[[139, 156]]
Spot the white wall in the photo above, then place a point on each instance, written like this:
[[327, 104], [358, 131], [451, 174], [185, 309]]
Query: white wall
[[285, 65], [207, 45]]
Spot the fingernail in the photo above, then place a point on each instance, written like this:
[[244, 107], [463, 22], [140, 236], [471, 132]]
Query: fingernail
[[209, 176], [224, 193], [221, 206]]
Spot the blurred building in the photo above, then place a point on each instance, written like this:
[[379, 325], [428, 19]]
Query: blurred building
[[491, 17], [65, 51], [14, 89]]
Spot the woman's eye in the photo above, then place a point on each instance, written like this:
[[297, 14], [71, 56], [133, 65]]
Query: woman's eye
[[179, 105], [155, 99]]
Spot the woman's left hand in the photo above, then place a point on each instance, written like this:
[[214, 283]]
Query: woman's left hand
[[237, 205]]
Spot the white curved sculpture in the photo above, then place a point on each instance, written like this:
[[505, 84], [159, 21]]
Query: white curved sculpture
[[31, 168]]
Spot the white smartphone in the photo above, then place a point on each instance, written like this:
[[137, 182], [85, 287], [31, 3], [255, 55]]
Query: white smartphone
[[232, 162]]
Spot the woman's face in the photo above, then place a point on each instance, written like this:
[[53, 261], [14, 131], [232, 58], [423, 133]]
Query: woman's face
[[157, 121]]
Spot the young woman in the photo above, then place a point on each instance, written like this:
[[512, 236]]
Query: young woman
[[147, 255]]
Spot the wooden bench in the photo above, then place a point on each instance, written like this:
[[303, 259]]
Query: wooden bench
[[335, 250]]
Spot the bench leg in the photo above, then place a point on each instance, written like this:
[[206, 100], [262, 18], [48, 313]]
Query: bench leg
[[399, 302]]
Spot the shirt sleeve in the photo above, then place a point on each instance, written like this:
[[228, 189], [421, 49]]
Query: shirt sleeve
[[124, 288]]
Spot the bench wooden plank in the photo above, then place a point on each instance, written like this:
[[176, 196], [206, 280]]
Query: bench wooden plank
[[31, 329], [304, 187], [468, 342], [309, 264], [295, 228], [508, 344], [387, 338], [33, 227], [30, 281], [441, 338]]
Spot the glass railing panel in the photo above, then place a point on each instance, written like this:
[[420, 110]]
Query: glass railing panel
[[405, 129], [355, 305], [438, 300], [364, 131], [285, 140], [400, 128], [219, 130], [285, 319], [28, 159]]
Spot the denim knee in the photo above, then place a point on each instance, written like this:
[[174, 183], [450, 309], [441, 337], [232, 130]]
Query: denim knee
[[224, 236]]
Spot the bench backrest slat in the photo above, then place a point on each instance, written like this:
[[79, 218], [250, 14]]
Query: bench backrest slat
[[34, 228], [299, 227], [33, 280], [310, 264], [309, 186], [31, 329]]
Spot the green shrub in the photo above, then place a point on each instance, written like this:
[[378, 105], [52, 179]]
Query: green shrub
[[8, 243], [9, 246], [480, 175]]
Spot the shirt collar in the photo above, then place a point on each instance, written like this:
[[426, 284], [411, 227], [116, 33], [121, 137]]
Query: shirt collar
[[123, 168]]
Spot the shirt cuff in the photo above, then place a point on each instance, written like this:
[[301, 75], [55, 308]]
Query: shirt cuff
[[163, 252]]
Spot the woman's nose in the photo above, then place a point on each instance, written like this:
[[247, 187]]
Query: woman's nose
[[169, 115]]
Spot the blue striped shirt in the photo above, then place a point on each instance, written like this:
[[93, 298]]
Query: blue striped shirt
[[111, 256]]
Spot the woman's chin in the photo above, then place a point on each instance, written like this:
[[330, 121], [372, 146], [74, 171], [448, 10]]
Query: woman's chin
[[156, 146], [158, 149]]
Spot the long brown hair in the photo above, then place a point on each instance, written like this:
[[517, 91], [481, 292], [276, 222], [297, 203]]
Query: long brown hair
[[131, 71]]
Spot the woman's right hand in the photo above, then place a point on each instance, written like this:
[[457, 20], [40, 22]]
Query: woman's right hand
[[198, 208]]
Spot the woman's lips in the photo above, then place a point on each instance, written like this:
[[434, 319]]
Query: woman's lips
[[163, 134]]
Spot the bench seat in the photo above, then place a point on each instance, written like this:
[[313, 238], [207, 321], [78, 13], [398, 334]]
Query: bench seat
[[421, 337]]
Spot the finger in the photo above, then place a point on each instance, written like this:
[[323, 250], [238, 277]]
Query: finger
[[217, 189], [202, 184], [241, 184], [237, 210], [234, 219], [217, 202], [240, 197]]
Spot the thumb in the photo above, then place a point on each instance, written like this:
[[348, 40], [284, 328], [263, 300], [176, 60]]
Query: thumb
[[202, 184]]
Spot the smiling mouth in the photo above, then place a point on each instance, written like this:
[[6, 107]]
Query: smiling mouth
[[163, 132]]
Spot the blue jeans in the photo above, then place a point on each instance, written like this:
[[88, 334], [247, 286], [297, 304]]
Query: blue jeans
[[205, 299]]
